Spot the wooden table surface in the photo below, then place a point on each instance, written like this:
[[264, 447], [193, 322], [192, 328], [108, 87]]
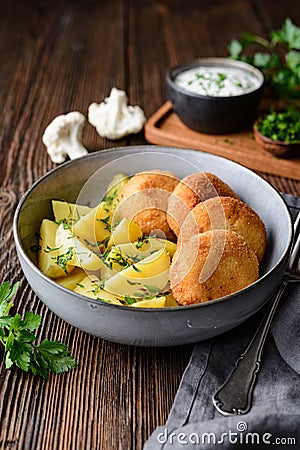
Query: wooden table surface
[[58, 57]]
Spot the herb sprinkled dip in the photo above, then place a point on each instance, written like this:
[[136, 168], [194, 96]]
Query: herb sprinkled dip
[[217, 81]]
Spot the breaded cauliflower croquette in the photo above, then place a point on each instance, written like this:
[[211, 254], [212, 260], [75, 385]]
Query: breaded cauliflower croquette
[[226, 213], [191, 190], [222, 258], [144, 199]]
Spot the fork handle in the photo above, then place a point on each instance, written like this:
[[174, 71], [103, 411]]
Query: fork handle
[[235, 395]]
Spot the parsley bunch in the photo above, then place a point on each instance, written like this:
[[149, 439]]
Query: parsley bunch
[[16, 335], [279, 61]]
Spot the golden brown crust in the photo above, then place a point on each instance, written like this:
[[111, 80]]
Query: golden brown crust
[[226, 213], [229, 270], [190, 191], [144, 199]]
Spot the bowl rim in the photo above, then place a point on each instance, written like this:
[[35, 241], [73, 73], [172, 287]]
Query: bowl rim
[[214, 61], [139, 149]]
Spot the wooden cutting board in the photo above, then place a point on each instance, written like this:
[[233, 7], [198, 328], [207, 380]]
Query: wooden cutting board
[[165, 128]]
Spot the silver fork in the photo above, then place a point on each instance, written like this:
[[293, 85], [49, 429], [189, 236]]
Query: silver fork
[[235, 395]]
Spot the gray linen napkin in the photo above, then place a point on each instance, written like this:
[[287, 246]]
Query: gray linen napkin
[[274, 418]]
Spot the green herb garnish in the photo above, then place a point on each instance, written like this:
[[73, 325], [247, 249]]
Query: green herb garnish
[[129, 300], [63, 259], [16, 335], [279, 59], [106, 222], [50, 249], [281, 126], [133, 283]]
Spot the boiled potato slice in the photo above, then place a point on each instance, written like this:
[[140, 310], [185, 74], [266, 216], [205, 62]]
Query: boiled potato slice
[[170, 301], [125, 231], [107, 273], [95, 226], [144, 248], [68, 211], [151, 273], [157, 244], [82, 256], [92, 287], [156, 302], [49, 252], [71, 281], [114, 189]]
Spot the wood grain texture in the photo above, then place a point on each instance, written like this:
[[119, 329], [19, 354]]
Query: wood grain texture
[[61, 56]]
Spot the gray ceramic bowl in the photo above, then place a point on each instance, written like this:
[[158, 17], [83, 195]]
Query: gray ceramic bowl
[[212, 114], [152, 327]]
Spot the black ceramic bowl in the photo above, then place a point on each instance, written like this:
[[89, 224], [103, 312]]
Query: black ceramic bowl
[[215, 114]]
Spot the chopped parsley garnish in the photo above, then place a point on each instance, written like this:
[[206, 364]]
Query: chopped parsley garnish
[[50, 249], [142, 241], [281, 126], [63, 259], [117, 258], [109, 199], [98, 286], [106, 221], [129, 300], [133, 283], [136, 268]]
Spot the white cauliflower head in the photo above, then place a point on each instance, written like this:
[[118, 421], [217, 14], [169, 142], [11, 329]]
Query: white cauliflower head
[[114, 118], [63, 136]]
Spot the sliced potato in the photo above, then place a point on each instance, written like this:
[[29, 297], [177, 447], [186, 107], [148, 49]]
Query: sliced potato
[[49, 253], [91, 287], [95, 226], [71, 281], [170, 301], [82, 256], [126, 231], [142, 249], [151, 273], [107, 273], [156, 302], [114, 189], [68, 211]]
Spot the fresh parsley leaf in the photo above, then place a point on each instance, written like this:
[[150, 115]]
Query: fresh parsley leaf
[[18, 340], [235, 48], [279, 61], [31, 320], [6, 294], [289, 34], [56, 356], [293, 61]]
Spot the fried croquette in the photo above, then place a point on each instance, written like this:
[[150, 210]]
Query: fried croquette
[[226, 213], [144, 199], [192, 190], [212, 265]]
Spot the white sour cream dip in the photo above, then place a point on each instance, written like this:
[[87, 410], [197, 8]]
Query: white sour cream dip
[[217, 81]]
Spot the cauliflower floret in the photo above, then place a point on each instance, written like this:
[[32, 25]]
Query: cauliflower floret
[[63, 135], [114, 118]]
